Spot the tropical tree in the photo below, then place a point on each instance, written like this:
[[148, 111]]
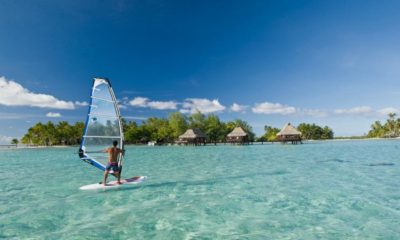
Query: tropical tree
[[133, 133], [391, 128], [50, 134], [27, 138], [14, 141], [77, 132], [315, 132], [178, 124], [214, 129], [327, 133], [391, 125], [197, 120], [156, 129], [377, 130], [270, 134], [164, 132], [64, 133], [38, 133]]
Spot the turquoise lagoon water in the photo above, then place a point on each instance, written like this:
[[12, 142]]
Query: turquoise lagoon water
[[321, 190]]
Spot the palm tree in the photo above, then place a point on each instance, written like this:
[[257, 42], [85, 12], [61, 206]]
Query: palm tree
[[391, 124]]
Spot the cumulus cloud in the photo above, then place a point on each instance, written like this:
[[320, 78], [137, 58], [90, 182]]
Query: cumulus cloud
[[139, 102], [14, 94], [162, 105], [366, 111], [238, 108], [53, 115], [363, 110], [192, 105], [312, 112], [81, 104], [386, 111], [273, 108], [5, 139], [159, 105]]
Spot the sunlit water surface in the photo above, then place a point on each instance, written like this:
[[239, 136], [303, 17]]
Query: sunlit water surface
[[320, 190]]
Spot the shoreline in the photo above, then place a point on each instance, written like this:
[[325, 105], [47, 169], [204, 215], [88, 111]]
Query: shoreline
[[9, 147]]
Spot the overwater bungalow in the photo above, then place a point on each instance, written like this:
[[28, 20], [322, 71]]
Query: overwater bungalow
[[192, 136], [289, 134], [238, 136]]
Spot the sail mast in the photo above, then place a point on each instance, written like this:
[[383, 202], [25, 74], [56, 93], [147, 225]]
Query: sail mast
[[120, 125]]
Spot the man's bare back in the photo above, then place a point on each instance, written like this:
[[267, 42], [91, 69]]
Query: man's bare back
[[113, 153]]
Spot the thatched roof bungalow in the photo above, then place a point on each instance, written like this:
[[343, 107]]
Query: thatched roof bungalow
[[192, 136], [238, 135], [289, 134]]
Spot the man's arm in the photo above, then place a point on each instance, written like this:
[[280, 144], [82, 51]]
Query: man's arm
[[122, 152]]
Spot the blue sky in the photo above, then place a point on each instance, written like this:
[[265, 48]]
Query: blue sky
[[334, 63]]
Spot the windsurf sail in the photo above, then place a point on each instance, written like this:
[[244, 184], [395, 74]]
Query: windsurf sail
[[103, 125]]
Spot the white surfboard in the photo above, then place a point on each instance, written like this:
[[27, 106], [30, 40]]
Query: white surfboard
[[114, 184]]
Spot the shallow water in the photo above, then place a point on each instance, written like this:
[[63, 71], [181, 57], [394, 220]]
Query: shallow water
[[320, 190]]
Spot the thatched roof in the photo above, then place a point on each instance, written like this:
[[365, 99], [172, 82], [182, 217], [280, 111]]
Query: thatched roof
[[288, 129], [237, 132], [193, 133]]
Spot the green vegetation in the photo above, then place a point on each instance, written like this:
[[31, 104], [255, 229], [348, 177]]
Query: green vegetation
[[14, 141], [390, 129], [315, 132], [270, 134], [160, 130], [308, 132], [168, 130], [50, 134]]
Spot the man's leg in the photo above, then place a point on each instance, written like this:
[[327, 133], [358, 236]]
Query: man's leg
[[119, 174], [105, 177], [119, 177]]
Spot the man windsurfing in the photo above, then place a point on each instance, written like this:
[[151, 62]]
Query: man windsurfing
[[112, 164]]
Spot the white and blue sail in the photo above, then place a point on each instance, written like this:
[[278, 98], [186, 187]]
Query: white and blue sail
[[103, 125]]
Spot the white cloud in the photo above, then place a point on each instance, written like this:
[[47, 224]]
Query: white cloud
[[363, 110], [192, 105], [5, 139], [81, 104], [139, 102], [53, 115], [159, 105], [273, 108], [13, 94], [238, 108], [366, 111], [162, 105], [121, 106], [386, 111], [313, 112]]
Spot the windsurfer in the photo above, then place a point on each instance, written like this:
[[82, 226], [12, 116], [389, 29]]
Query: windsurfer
[[112, 164]]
